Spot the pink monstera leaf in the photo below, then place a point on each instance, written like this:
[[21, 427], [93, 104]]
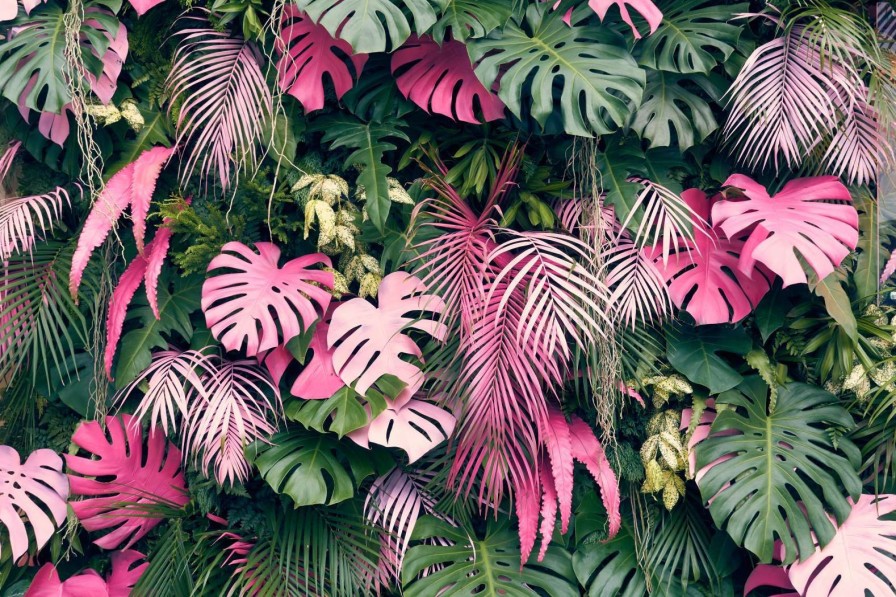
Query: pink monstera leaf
[[769, 575], [439, 78], [131, 481], [645, 8], [133, 187], [368, 341], [319, 380], [860, 557], [415, 427], [812, 218], [308, 53], [120, 582], [34, 492], [238, 303], [703, 274], [8, 9], [146, 267], [563, 443]]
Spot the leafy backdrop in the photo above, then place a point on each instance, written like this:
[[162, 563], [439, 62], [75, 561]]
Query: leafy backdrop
[[442, 297]]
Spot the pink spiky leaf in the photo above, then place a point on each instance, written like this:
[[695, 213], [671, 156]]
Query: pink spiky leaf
[[308, 53], [368, 341], [239, 405], [548, 511], [810, 217], [703, 274], [34, 492], [134, 480], [171, 382], [415, 427], [557, 442], [236, 304], [860, 557], [132, 187], [439, 78], [587, 450]]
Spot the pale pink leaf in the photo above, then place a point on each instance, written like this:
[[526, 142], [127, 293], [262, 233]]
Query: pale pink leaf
[[156, 252], [124, 576], [237, 304], [889, 268], [131, 479], [587, 450], [118, 194], [645, 8], [142, 6], [440, 79], [238, 405], [31, 4], [860, 557], [26, 219], [170, 382], [393, 504], [637, 289], [703, 274], [369, 341], [308, 54], [8, 9], [812, 218], [34, 492], [417, 427]]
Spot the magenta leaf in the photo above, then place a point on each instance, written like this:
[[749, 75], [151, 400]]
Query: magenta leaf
[[646, 8], [703, 274], [368, 341], [146, 267], [142, 6], [308, 54], [46, 583], [125, 574], [131, 481], [440, 79], [769, 575], [587, 450], [859, 559], [34, 492], [237, 304], [132, 186], [812, 218], [318, 380]]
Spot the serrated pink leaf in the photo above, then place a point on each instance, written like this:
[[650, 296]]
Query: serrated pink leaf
[[811, 217], [119, 193], [148, 268], [34, 492], [308, 53], [141, 7], [703, 273], [125, 574], [646, 8], [858, 560], [548, 510], [587, 450], [368, 341], [237, 304], [527, 502], [134, 479], [440, 79], [318, 380], [557, 442], [417, 427]]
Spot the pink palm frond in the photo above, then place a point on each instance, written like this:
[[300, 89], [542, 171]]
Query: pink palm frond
[[240, 405], [780, 103], [860, 145], [638, 290], [224, 102]]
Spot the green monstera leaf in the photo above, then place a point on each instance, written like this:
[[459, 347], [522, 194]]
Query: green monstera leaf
[[373, 25], [465, 19], [36, 53], [610, 568], [581, 74], [468, 565], [313, 468], [694, 37], [673, 105], [778, 475], [694, 352]]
